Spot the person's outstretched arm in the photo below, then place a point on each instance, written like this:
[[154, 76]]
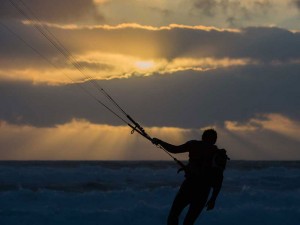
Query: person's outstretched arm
[[172, 148]]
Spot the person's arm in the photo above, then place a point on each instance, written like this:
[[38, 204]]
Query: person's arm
[[172, 148], [216, 190]]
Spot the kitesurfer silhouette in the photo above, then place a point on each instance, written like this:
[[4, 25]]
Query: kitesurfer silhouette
[[203, 173]]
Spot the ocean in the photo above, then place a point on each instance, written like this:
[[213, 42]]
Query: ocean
[[141, 193]]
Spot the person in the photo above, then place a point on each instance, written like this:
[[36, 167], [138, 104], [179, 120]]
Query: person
[[203, 173]]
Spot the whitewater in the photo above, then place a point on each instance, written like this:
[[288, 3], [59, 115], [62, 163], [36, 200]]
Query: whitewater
[[141, 193]]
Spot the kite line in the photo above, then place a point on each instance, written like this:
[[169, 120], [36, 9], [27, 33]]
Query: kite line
[[25, 11]]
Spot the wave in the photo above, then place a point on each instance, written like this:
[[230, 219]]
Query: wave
[[116, 193], [118, 176]]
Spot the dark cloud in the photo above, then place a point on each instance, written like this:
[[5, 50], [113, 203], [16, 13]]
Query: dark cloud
[[186, 99], [95, 66], [265, 44], [164, 12], [14, 53], [212, 7], [207, 7], [236, 10], [297, 3], [67, 11]]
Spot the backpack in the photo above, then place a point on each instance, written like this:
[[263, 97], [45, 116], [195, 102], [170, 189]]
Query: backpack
[[218, 165], [219, 160]]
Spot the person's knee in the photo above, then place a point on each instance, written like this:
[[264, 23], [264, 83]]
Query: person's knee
[[188, 223], [189, 220], [172, 219], [193, 213]]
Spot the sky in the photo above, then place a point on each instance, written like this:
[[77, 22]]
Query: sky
[[176, 66]]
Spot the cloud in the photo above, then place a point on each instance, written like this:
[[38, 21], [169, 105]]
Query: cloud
[[265, 44], [168, 72], [236, 126], [123, 26], [217, 75], [281, 125], [186, 99], [269, 136], [218, 13], [104, 67], [105, 56], [274, 122], [67, 11]]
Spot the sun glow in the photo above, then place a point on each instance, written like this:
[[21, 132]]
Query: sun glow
[[144, 65], [82, 140]]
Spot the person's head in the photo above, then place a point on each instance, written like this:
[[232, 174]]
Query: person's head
[[209, 136]]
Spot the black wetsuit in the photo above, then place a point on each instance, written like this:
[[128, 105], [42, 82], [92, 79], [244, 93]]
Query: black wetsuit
[[200, 178]]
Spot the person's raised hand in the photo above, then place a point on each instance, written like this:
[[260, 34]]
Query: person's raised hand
[[156, 141]]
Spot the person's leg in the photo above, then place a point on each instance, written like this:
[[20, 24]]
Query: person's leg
[[196, 206], [181, 200]]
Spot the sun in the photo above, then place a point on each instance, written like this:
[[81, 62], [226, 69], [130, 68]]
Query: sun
[[144, 65]]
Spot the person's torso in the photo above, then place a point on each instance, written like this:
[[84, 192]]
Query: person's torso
[[201, 156]]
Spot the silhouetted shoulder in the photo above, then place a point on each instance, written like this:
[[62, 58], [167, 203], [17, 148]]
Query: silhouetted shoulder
[[193, 143]]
